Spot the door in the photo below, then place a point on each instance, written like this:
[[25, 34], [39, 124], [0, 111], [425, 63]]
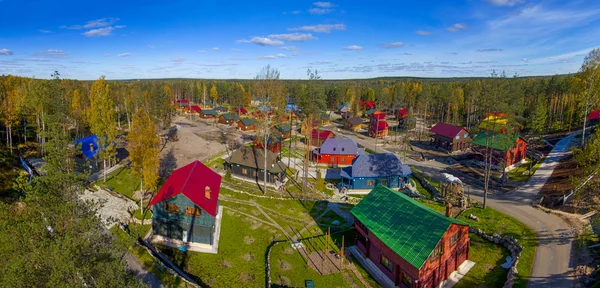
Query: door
[[184, 236]]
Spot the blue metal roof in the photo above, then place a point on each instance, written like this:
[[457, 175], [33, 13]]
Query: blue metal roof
[[339, 146], [376, 165], [89, 145]]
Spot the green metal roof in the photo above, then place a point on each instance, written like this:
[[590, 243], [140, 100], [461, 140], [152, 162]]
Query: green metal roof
[[497, 141], [284, 127], [209, 112], [406, 226], [247, 121]]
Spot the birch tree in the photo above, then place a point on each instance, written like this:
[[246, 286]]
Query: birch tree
[[102, 120]]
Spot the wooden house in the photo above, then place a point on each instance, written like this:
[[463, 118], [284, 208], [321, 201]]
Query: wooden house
[[378, 129], [343, 109], [207, 104], [208, 113], [228, 118], [246, 124], [353, 123], [506, 150], [401, 114], [593, 118], [305, 125], [411, 244], [450, 137], [370, 113], [181, 104], [318, 137], [368, 170], [186, 208], [222, 109], [194, 110], [367, 105], [240, 111], [273, 143], [335, 152], [285, 130], [249, 162]]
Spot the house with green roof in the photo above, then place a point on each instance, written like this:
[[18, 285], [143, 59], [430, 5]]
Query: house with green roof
[[246, 124], [506, 149], [208, 113], [411, 244]]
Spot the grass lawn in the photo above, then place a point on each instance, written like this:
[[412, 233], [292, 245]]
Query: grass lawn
[[216, 160], [365, 274], [435, 205], [516, 175], [488, 258], [421, 189], [122, 182], [433, 183], [138, 214], [491, 221], [329, 217]]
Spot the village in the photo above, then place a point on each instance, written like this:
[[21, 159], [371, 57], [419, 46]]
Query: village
[[351, 199]]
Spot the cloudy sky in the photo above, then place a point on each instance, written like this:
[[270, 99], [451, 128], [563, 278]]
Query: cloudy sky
[[342, 39]]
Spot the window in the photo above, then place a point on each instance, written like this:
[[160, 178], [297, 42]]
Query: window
[[343, 160], [370, 182], [333, 148], [457, 137], [244, 171], [383, 182], [386, 263], [406, 280], [454, 238], [342, 149], [207, 192], [437, 252], [171, 208], [193, 211], [466, 135]]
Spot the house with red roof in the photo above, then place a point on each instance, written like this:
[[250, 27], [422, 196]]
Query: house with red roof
[[367, 105], [319, 136], [594, 117], [378, 129], [186, 210], [194, 109], [240, 111], [401, 113], [450, 137]]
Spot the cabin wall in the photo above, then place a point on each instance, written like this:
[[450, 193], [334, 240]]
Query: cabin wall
[[389, 181], [199, 229], [251, 173]]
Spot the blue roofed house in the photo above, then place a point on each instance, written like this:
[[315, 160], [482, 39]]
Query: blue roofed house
[[89, 146], [336, 151], [368, 170]]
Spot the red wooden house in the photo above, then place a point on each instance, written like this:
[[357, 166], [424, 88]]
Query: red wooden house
[[336, 151], [413, 245], [318, 137], [273, 143], [194, 109], [401, 113], [240, 111], [378, 129], [506, 150]]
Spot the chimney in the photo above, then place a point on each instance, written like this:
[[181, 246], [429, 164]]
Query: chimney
[[449, 210]]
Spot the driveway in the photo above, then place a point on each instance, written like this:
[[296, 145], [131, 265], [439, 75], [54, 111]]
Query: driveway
[[552, 265]]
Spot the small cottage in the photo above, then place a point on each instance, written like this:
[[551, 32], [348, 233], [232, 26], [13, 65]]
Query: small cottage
[[246, 124], [507, 150], [186, 209], [353, 123], [207, 104], [273, 143], [411, 244], [221, 109], [208, 113], [368, 170], [401, 114], [335, 152], [194, 109], [318, 137], [285, 130], [378, 129], [249, 162], [228, 118], [450, 137], [305, 125], [240, 111]]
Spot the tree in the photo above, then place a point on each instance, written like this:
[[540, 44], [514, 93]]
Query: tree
[[102, 119], [14, 98], [590, 78], [213, 94], [143, 149], [538, 117]]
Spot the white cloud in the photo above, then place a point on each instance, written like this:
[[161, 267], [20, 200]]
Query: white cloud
[[292, 37], [392, 45], [242, 41], [106, 31], [323, 4], [320, 62], [106, 55], [53, 53], [354, 47], [262, 41], [281, 55], [71, 27], [5, 51], [424, 33], [456, 27], [177, 60], [100, 22], [504, 2], [319, 11], [201, 51], [44, 31], [321, 28], [124, 54], [215, 49], [525, 60], [490, 50], [289, 48], [267, 57]]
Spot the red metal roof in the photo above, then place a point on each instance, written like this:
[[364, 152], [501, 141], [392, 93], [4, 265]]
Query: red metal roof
[[241, 110], [403, 112], [322, 134], [196, 108], [381, 125], [191, 180], [371, 104], [595, 115], [183, 101], [379, 116], [446, 130]]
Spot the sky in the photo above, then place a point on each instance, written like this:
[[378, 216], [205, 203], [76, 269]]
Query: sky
[[342, 39]]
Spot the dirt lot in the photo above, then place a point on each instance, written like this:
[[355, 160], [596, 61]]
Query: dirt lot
[[198, 140]]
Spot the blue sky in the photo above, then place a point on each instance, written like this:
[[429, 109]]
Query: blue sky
[[340, 39]]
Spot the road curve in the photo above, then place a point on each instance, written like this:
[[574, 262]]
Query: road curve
[[552, 265]]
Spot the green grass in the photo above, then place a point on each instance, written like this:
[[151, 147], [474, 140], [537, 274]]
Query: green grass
[[421, 189], [146, 216], [431, 182], [363, 272], [215, 160], [329, 217], [435, 205], [515, 175], [488, 258], [122, 182], [492, 221]]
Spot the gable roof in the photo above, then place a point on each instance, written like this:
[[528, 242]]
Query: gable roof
[[222, 108], [375, 165], [241, 110], [196, 108], [339, 146], [321, 134], [370, 111], [354, 120], [283, 127], [371, 104], [403, 112], [209, 112], [229, 116], [379, 125], [183, 101], [446, 130], [89, 145], [411, 229], [379, 116], [595, 115], [247, 121], [191, 180], [497, 141], [252, 157]]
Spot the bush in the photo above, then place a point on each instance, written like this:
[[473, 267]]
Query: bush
[[228, 175]]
